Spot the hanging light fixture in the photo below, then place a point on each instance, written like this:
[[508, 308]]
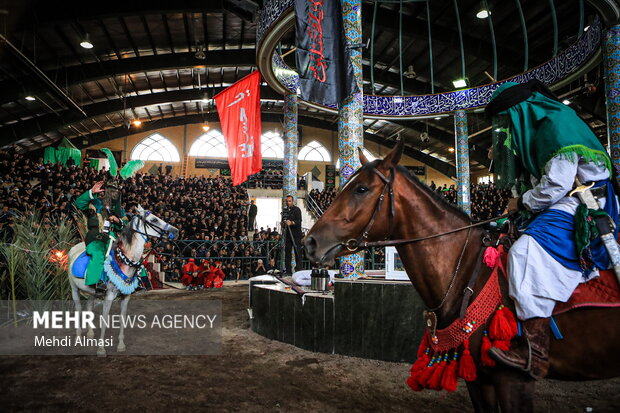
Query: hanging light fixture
[[459, 83], [30, 98], [410, 73], [137, 122], [483, 13], [206, 127], [85, 43]]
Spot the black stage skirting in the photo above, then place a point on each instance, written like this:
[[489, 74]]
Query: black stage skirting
[[364, 318]]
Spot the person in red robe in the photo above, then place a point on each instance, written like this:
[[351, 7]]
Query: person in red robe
[[216, 276], [190, 274]]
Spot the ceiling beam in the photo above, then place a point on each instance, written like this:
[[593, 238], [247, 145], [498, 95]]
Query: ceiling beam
[[43, 124], [12, 90], [48, 13]]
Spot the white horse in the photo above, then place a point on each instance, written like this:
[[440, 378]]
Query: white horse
[[130, 244]]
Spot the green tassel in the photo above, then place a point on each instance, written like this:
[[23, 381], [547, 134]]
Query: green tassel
[[130, 169], [590, 155], [112, 161]]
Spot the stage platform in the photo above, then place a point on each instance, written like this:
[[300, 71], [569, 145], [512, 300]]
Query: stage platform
[[374, 319]]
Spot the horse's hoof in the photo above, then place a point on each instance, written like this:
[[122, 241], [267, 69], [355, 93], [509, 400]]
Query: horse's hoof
[[90, 334], [121, 348], [101, 352]]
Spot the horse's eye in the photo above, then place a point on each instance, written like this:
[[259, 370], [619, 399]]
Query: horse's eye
[[361, 189]]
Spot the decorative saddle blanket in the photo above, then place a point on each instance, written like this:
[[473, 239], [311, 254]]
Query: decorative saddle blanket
[[603, 291], [111, 272], [81, 264]]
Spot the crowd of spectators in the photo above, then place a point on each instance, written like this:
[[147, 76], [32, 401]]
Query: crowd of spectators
[[269, 178], [203, 209], [487, 201], [323, 199]]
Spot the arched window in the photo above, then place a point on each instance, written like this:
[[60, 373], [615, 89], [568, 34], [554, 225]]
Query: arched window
[[155, 148], [211, 145], [314, 151], [272, 145], [368, 154]]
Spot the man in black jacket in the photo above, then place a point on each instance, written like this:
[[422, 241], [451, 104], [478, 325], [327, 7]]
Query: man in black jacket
[[293, 237]]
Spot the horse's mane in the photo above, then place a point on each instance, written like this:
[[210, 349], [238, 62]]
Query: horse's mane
[[126, 233], [440, 199]]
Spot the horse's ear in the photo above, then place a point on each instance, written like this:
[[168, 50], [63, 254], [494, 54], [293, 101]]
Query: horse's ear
[[363, 158], [392, 158]]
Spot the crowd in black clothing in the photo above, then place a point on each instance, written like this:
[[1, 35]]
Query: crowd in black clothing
[[266, 178], [487, 201], [203, 209], [323, 199]]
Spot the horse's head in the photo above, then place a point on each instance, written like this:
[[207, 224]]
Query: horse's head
[[148, 224], [362, 210]]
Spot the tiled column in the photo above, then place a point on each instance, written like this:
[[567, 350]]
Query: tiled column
[[289, 182], [462, 160], [611, 56], [351, 122]]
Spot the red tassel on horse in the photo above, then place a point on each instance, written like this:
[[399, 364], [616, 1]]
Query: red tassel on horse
[[413, 384], [424, 344], [435, 380], [450, 379], [420, 363], [467, 367], [503, 325], [425, 374], [484, 351]]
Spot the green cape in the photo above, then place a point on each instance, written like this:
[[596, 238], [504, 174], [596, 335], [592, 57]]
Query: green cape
[[542, 128]]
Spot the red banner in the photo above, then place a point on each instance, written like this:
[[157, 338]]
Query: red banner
[[239, 109]]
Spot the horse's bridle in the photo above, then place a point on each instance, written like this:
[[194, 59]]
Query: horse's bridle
[[388, 187], [354, 244], [160, 232]]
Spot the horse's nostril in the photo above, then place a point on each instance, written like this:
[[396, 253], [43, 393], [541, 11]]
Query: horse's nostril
[[310, 244]]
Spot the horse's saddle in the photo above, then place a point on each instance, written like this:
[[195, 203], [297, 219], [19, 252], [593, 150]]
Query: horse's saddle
[[81, 264]]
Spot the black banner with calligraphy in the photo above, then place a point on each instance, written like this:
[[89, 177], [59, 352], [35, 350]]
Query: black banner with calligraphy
[[325, 69], [330, 176]]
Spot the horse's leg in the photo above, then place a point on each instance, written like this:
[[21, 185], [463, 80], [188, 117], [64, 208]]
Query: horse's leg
[[121, 334], [482, 396], [107, 304], [75, 293], [515, 391], [89, 307]]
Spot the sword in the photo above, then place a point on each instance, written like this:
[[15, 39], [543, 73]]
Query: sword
[[603, 224]]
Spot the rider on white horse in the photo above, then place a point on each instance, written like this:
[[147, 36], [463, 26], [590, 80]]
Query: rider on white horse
[[107, 212]]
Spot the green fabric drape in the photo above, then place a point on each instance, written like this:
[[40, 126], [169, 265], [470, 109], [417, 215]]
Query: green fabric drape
[[94, 163], [542, 128], [49, 155]]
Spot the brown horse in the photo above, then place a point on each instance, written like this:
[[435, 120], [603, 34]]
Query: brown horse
[[365, 211]]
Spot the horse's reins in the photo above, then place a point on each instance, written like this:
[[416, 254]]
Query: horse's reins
[[354, 244], [160, 232]]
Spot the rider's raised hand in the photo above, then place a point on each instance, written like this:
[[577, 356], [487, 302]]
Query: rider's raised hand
[[97, 188]]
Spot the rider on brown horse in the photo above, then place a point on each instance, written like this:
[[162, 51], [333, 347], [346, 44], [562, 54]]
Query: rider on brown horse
[[540, 149]]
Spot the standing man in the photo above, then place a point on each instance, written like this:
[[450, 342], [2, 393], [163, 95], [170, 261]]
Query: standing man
[[252, 216], [292, 215]]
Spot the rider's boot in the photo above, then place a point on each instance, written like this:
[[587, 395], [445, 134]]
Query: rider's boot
[[531, 353]]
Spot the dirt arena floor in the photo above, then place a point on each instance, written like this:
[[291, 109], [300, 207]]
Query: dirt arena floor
[[252, 375]]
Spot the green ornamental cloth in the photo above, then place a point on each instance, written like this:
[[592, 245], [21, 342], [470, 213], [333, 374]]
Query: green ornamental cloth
[[542, 128]]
